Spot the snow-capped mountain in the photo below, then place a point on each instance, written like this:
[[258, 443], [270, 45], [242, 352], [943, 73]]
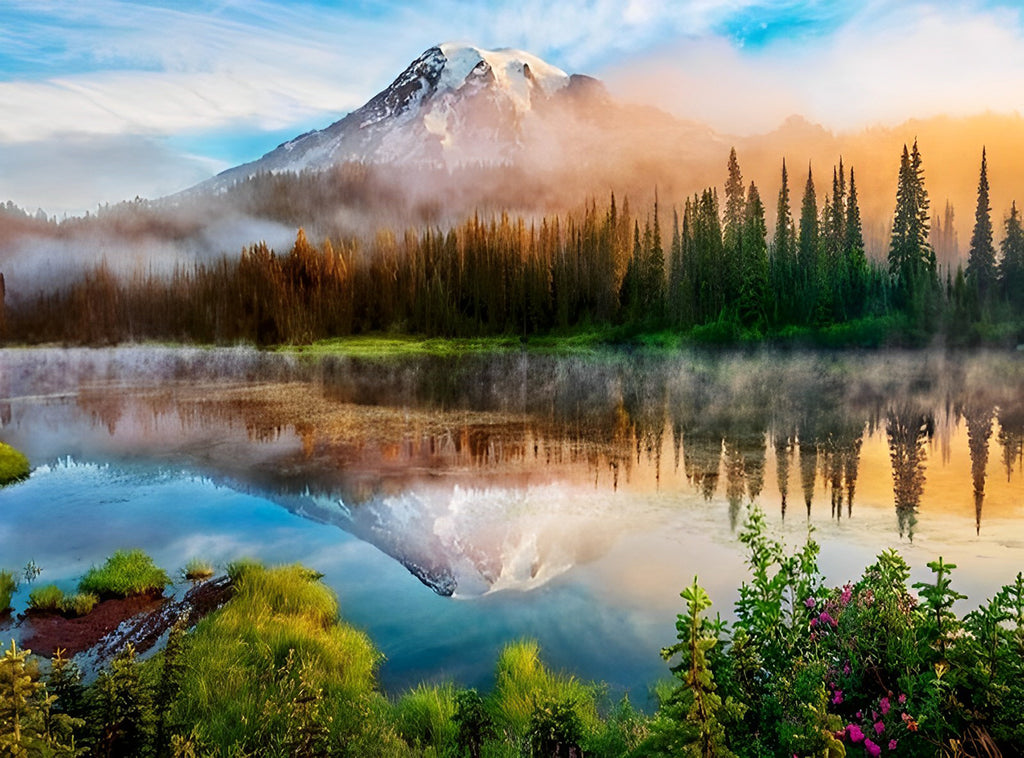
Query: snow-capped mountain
[[455, 104]]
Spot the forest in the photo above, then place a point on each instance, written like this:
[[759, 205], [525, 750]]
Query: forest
[[709, 270]]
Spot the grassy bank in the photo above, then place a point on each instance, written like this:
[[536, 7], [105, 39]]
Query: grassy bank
[[14, 466], [868, 668], [879, 332]]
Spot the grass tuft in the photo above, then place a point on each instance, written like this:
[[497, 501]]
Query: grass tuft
[[49, 597], [424, 717], [124, 574], [79, 604], [14, 465], [8, 586], [198, 570]]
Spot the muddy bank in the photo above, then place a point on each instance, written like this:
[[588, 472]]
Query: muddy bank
[[142, 620]]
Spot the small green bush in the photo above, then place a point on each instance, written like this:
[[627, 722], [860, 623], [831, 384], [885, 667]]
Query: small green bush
[[49, 597], [79, 604], [424, 717], [14, 465], [8, 586], [125, 573], [198, 570]]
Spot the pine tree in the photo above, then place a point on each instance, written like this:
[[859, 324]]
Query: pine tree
[[981, 260], [910, 254], [732, 228], [1011, 267], [754, 290], [783, 250], [856, 265], [808, 246]]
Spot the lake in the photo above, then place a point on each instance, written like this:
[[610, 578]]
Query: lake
[[455, 504]]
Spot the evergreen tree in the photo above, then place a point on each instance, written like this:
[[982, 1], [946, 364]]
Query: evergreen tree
[[783, 251], [981, 260], [754, 290], [807, 249], [911, 258], [856, 265], [732, 228], [1011, 267]]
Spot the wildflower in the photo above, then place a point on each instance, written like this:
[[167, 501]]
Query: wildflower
[[901, 699], [814, 622], [846, 595], [859, 715], [879, 728], [846, 668], [892, 744], [826, 618], [884, 705], [872, 749], [854, 733], [837, 698], [910, 722]]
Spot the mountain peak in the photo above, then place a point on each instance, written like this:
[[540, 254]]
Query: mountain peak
[[456, 103]]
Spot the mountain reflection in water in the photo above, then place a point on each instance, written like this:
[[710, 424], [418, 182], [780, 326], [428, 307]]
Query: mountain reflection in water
[[482, 473]]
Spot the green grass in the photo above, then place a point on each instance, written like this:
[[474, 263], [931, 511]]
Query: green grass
[[424, 717], [522, 682], [14, 465], [125, 573], [197, 570], [274, 663], [8, 586], [49, 597], [79, 604]]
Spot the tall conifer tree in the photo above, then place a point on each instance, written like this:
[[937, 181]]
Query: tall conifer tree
[[981, 260]]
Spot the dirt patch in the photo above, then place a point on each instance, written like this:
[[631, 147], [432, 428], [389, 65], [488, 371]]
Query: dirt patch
[[45, 633], [142, 620]]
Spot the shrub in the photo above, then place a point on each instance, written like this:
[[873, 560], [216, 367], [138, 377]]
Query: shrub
[[125, 573], [424, 717], [265, 672], [79, 604], [14, 465], [49, 597], [198, 570], [8, 586]]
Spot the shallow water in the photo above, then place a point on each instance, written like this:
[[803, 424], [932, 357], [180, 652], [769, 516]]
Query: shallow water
[[455, 504]]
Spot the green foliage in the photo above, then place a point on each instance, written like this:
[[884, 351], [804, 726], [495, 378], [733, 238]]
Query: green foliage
[[473, 723], [14, 466], [426, 718], [125, 573], [8, 586], [124, 714], [29, 724], [197, 570], [48, 598], [79, 604], [269, 669]]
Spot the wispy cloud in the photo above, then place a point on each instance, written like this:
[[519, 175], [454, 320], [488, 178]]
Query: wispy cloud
[[170, 74]]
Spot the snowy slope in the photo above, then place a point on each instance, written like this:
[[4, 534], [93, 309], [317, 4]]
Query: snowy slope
[[455, 104]]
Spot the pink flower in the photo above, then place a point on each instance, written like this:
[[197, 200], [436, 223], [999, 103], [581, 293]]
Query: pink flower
[[884, 705], [879, 728], [810, 602], [859, 715], [892, 744], [826, 618], [872, 749], [846, 668], [854, 733], [814, 622], [846, 595], [901, 699], [837, 698]]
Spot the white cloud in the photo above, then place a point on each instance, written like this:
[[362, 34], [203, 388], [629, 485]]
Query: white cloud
[[883, 67]]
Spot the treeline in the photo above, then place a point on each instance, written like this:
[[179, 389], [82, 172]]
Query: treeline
[[600, 267]]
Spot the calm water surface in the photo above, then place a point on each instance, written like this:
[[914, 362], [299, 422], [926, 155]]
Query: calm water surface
[[455, 504]]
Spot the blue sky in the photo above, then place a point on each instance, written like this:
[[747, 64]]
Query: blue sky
[[107, 99]]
